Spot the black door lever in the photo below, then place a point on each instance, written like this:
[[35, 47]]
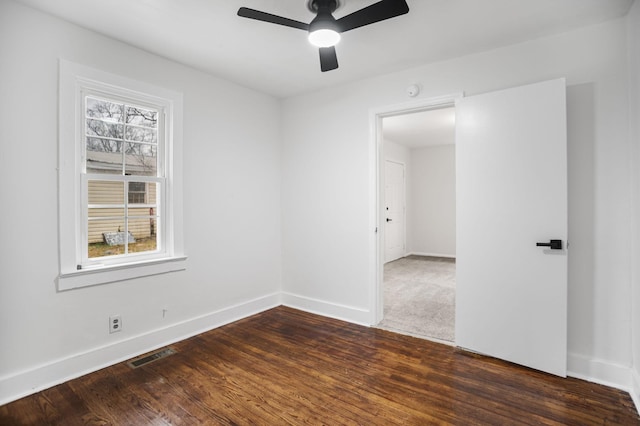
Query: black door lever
[[389, 220], [553, 244]]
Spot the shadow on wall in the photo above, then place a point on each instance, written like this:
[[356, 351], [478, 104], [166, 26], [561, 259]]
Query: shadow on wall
[[581, 180]]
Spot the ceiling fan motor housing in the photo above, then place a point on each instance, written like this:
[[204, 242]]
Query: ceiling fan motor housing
[[315, 5], [324, 20]]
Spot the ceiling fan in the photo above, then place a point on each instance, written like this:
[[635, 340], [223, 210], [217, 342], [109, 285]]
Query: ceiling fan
[[324, 30]]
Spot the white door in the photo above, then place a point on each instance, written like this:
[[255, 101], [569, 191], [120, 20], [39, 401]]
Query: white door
[[394, 211], [511, 161]]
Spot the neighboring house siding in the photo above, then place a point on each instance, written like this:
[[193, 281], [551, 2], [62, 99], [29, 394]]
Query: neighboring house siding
[[102, 192]]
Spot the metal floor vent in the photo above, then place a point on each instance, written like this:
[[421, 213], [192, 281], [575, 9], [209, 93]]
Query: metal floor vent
[[149, 358]]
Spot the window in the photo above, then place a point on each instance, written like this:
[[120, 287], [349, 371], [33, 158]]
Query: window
[[121, 139], [137, 192], [119, 175]]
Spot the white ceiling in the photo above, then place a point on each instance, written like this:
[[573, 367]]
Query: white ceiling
[[208, 35], [420, 129]]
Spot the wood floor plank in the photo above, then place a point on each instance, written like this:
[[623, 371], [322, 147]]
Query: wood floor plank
[[351, 382], [311, 380], [287, 367]]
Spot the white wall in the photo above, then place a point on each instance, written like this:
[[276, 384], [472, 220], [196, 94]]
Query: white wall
[[328, 195], [432, 216], [396, 152], [633, 28], [231, 210]]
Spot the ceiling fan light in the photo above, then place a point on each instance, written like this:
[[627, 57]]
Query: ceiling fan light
[[324, 37]]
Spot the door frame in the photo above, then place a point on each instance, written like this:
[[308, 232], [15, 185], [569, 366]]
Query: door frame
[[404, 206], [376, 189]]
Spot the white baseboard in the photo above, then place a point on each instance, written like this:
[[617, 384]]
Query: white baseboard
[[635, 389], [599, 371], [328, 309], [418, 253], [34, 380], [607, 374]]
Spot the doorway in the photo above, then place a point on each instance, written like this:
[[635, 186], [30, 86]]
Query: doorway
[[418, 277], [511, 291]]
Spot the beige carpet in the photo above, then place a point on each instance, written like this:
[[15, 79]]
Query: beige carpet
[[419, 297]]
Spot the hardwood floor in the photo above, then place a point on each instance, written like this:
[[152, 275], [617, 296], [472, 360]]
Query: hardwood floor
[[288, 367]]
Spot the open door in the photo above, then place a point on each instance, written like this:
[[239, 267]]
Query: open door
[[511, 282]]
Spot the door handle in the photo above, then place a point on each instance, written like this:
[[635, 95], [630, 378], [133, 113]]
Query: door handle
[[389, 220], [553, 244]]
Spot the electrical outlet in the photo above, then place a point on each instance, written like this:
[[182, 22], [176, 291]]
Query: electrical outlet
[[115, 323]]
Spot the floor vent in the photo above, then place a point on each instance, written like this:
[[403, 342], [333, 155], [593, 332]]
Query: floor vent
[[149, 358]]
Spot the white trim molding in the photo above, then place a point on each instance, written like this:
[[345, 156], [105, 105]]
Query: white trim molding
[[328, 309], [36, 379], [599, 371], [77, 82], [89, 277], [635, 389], [417, 253], [376, 154]]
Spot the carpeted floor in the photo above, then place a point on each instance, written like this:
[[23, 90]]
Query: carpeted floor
[[419, 297]]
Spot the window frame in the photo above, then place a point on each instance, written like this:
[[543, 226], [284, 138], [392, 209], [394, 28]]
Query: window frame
[[76, 269], [117, 96]]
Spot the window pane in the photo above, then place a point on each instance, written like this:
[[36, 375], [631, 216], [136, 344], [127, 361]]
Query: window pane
[[140, 134], [105, 110], [102, 128], [141, 159], [142, 117], [115, 215], [144, 231], [103, 145], [152, 191], [105, 192], [104, 156], [106, 237], [137, 212]]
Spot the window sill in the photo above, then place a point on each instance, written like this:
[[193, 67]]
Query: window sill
[[110, 274]]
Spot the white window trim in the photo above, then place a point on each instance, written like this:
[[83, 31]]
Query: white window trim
[[74, 78]]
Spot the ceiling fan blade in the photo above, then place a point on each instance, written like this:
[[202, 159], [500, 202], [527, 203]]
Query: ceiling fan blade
[[328, 58], [377, 12], [245, 12]]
